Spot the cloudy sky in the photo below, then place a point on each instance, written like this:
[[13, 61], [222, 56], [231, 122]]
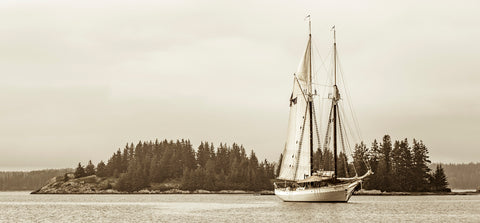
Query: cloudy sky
[[80, 79]]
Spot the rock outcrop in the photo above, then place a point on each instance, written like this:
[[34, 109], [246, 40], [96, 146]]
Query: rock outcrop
[[85, 185]]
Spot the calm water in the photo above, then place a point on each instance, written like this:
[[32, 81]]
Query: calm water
[[22, 207]]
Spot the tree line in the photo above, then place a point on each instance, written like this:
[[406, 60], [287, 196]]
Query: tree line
[[399, 166], [225, 167], [28, 180], [461, 176]]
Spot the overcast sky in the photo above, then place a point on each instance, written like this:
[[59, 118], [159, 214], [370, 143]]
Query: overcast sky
[[80, 79]]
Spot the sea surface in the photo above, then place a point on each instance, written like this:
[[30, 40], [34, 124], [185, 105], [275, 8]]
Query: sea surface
[[23, 207]]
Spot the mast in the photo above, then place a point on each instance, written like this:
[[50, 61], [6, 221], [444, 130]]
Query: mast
[[310, 99], [335, 99]]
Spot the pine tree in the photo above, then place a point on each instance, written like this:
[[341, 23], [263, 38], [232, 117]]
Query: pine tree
[[222, 160], [402, 166], [198, 177], [188, 156], [101, 169], [187, 183], [343, 167], [164, 166], [209, 183], [124, 159], [372, 182], [317, 159], [89, 169], [79, 172], [385, 164], [203, 154], [155, 169], [360, 156], [420, 166], [439, 180], [327, 160]]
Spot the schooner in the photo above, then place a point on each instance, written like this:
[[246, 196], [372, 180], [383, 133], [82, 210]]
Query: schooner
[[297, 180]]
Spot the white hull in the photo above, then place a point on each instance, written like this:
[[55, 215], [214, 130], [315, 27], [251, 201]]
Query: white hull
[[335, 193]]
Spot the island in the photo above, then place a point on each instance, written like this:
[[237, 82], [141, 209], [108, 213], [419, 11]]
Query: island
[[174, 167]]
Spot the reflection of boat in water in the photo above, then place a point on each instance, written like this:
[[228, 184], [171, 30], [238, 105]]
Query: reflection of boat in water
[[300, 182]]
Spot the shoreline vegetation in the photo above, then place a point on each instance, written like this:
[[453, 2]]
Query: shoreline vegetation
[[102, 185], [170, 165], [28, 180], [174, 167], [99, 185]]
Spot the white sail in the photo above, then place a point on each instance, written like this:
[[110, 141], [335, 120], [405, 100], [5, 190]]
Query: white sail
[[303, 71], [296, 155]]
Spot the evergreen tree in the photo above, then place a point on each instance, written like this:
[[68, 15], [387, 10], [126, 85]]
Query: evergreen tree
[[187, 182], [402, 166], [101, 169], [114, 165], [124, 159], [222, 160], [156, 170], [373, 181], [462, 175], [343, 167], [385, 164], [420, 169], [80, 171], [89, 169], [360, 156], [209, 183], [328, 162], [317, 159], [199, 178], [165, 166], [188, 156], [439, 180], [123, 183], [203, 154]]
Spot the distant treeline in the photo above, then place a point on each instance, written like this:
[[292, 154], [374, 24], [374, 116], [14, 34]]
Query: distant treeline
[[399, 166], [462, 176], [226, 167], [20, 180]]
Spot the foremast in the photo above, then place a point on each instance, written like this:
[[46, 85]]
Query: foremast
[[310, 95], [297, 156], [335, 99]]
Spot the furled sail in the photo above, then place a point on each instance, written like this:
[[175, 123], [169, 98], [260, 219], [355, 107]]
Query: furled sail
[[296, 155]]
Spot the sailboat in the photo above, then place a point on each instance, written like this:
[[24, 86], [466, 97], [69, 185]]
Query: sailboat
[[297, 180]]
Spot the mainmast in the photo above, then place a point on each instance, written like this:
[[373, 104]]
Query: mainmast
[[336, 97], [310, 97]]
